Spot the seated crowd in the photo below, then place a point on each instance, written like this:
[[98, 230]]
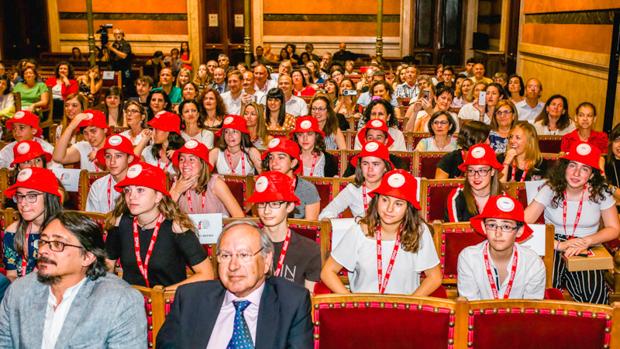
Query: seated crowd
[[166, 153]]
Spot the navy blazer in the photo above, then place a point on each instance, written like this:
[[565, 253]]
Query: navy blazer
[[283, 316]]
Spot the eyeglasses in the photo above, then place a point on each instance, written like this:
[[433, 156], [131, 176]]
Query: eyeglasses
[[272, 204], [483, 172], [242, 257], [440, 122], [504, 228], [132, 111], [31, 198], [504, 112], [316, 109], [56, 246]]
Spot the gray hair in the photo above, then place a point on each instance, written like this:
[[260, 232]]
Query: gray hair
[[265, 242]]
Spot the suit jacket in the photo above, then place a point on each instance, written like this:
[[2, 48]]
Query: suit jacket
[[283, 316], [106, 313]]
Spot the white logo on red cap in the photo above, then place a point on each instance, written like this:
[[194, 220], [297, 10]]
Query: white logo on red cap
[[261, 184], [396, 180], [371, 146], [584, 149], [24, 175], [160, 114], [20, 114], [306, 124], [134, 171], [274, 143], [505, 204], [228, 120], [478, 152], [23, 148], [376, 123], [191, 144], [89, 116], [115, 140]]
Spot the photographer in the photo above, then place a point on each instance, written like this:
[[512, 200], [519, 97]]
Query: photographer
[[120, 56]]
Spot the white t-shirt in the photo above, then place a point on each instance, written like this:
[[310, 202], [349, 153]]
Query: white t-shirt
[[398, 136], [590, 214], [102, 196], [205, 137], [350, 197], [233, 106], [358, 254], [473, 281], [469, 112], [296, 106], [151, 160], [542, 130], [84, 148], [527, 113]]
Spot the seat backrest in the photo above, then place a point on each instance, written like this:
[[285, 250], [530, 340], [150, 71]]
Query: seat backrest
[[5, 175], [413, 138], [157, 305], [405, 158], [241, 187], [425, 163], [434, 195], [517, 191], [85, 182], [342, 166], [349, 138], [550, 144], [379, 321], [535, 324], [328, 188], [313, 230], [552, 159]]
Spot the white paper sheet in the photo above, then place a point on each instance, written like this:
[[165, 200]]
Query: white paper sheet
[[209, 226]]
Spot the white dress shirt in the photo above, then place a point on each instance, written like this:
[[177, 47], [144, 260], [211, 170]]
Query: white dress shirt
[[527, 113], [233, 105], [55, 315], [98, 200], [223, 329], [296, 106]]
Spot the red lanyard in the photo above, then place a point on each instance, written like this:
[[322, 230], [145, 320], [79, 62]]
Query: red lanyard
[[511, 279], [314, 160], [514, 173], [577, 216], [110, 193], [383, 280], [287, 240], [166, 165], [189, 201], [230, 165], [364, 197], [25, 249], [143, 267]]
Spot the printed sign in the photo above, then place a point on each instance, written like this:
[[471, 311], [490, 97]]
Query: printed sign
[[209, 226], [69, 177]]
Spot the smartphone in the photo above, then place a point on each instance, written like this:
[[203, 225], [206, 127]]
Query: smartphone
[[482, 98], [349, 92], [426, 94]]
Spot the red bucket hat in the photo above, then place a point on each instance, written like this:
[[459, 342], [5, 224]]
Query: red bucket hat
[[481, 154], [273, 186], [166, 121], [27, 118], [375, 149], [195, 148], [236, 122], [306, 124], [116, 142], [502, 207], [96, 118], [376, 124], [399, 184], [284, 145], [144, 175], [35, 178], [27, 150], [585, 154]]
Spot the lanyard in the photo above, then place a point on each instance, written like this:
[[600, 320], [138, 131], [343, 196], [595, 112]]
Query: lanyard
[[577, 216], [25, 249], [383, 280], [110, 193], [230, 164], [514, 173], [511, 279], [287, 240], [143, 267], [166, 165], [364, 197], [314, 160], [189, 201]]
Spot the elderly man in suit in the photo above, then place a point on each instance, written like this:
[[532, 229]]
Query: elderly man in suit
[[245, 308], [71, 301]]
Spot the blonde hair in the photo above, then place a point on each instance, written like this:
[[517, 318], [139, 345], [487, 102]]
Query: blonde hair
[[261, 124], [532, 151]]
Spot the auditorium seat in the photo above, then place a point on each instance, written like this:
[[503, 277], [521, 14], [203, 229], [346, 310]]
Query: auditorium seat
[[425, 163], [434, 195], [241, 187], [85, 182]]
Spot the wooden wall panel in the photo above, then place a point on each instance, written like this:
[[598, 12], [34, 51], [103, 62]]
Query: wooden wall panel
[[328, 29], [131, 27], [125, 6], [544, 6], [330, 7], [586, 37]]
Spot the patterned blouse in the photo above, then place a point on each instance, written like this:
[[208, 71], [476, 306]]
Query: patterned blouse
[[13, 260]]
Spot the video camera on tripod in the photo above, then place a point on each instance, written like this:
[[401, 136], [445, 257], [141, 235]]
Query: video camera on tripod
[[103, 31]]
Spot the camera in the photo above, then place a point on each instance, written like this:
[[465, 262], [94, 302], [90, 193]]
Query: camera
[[349, 92], [103, 30]]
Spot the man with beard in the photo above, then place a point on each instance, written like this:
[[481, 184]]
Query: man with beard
[[71, 301]]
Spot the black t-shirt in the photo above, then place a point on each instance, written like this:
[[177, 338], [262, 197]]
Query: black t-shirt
[[302, 261], [171, 253], [450, 162], [121, 63], [534, 174]]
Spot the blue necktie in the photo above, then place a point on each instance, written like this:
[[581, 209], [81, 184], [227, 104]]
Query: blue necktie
[[241, 337]]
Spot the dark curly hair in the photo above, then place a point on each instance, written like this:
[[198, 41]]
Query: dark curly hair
[[557, 183], [389, 109]]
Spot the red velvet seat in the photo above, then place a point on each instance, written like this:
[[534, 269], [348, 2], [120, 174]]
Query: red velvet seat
[[413, 138], [326, 187], [425, 163], [517, 191], [405, 158], [550, 144], [434, 195], [241, 187]]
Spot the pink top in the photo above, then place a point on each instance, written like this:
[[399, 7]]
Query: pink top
[[211, 202]]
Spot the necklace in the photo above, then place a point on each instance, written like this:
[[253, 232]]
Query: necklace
[[149, 223]]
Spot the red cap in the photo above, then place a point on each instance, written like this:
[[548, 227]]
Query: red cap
[[372, 148], [399, 184], [166, 121], [195, 148], [284, 145], [144, 175], [376, 124], [584, 153], [273, 186], [27, 150], [481, 154], [307, 124], [96, 118], [116, 142], [27, 118], [35, 178], [236, 122], [502, 207]]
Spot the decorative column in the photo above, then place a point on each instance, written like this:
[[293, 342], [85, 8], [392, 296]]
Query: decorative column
[[379, 44], [247, 47], [91, 32]]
